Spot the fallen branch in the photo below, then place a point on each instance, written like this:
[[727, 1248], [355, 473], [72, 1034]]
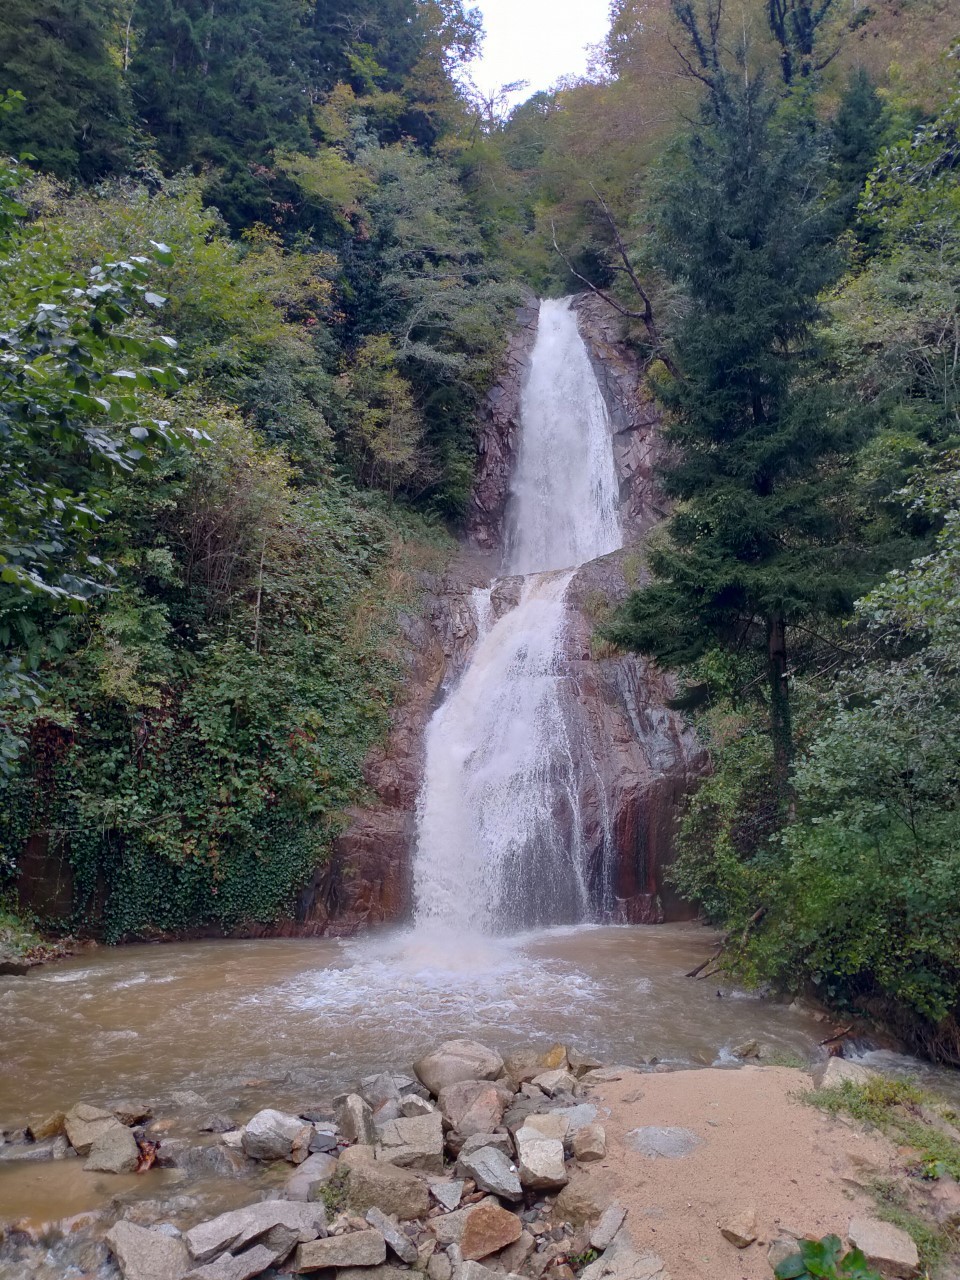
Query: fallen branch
[[724, 943], [839, 1035]]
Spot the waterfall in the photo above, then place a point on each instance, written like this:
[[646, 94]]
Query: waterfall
[[499, 835]]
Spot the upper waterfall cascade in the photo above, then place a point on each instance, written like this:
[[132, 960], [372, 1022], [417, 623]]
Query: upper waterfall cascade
[[499, 836]]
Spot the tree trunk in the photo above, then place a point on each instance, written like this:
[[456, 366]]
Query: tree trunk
[[781, 731]]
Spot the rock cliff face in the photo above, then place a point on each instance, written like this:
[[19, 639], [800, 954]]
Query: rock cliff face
[[643, 758]]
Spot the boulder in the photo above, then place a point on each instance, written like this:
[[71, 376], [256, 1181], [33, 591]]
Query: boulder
[[477, 1141], [274, 1135], [448, 1192], [449, 1228], [352, 1156], [414, 1143], [353, 1249], [515, 1255], [488, 1229], [396, 1191], [30, 1152], [740, 1228], [590, 1143], [577, 1116], [554, 1082], [492, 1171], [355, 1120], [583, 1199], [411, 1104], [130, 1112], [521, 1067], [887, 1248], [457, 1060], [216, 1123], [540, 1160], [550, 1124], [474, 1106], [396, 1238], [114, 1150], [580, 1063], [84, 1124], [143, 1254], [51, 1126], [380, 1089], [315, 1171], [835, 1071], [242, 1266], [611, 1220], [240, 1227]]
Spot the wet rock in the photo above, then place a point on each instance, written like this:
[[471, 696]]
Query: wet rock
[[887, 1248], [143, 1254], [554, 1082], [373, 1184], [457, 1060], [474, 1106], [242, 1266], [492, 1171], [740, 1228], [12, 965], [590, 1143], [131, 1111], [216, 1124], [749, 1049], [355, 1120], [355, 1249], [379, 1089], [240, 1227], [307, 1178], [833, 1072], [274, 1135], [396, 1238], [488, 1229], [233, 1139], [30, 1152], [447, 1192], [188, 1100], [540, 1160], [113, 1151], [84, 1124], [415, 1143], [665, 1141], [51, 1126], [323, 1141], [611, 1220], [580, 1063]]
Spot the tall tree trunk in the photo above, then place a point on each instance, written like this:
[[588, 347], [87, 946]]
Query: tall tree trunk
[[781, 730]]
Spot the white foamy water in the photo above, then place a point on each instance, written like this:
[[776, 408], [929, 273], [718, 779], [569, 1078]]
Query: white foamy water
[[499, 833]]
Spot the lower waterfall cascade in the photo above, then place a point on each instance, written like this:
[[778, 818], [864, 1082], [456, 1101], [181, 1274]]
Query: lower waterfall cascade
[[499, 837]]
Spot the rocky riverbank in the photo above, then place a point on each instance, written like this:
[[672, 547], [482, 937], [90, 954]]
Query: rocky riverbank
[[543, 1165]]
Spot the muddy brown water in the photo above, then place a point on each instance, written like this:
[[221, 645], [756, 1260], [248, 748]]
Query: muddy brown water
[[290, 1022]]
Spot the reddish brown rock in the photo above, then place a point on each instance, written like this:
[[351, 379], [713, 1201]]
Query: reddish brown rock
[[489, 1228]]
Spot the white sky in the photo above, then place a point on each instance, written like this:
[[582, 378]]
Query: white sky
[[537, 40]]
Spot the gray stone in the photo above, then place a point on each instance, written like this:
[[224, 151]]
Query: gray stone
[[448, 1192], [48, 1149], [540, 1160], [114, 1150], [386, 1271], [477, 1141], [474, 1106], [241, 1227], [396, 1238], [590, 1143], [472, 1270], [274, 1135], [554, 1082], [314, 1172], [576, 1117], [130, 1112], [623, 1262], [780, 1249], [607, 1075], [414, 1143], [663, 1140], [353, 1249], [611, 1220], [216, 1123], [84, 1124], [886, 1247], [396, 1191], [835, 1071], [376, 1090], [492, 1171], [142, 1254], [355, 1120], [515, 1255], [439, 1267], [457, 1060], [242, 1266], [552, 1124], [411, 1104], [581, 1063]]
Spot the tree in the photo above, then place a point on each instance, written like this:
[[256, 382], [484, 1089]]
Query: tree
[[755, 545], [76, 119], [858, 131]]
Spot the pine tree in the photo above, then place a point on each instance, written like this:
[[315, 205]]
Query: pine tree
[[858, 134], [76, 119], [754, 546]]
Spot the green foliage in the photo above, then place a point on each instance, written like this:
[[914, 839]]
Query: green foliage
[[825, 1259]]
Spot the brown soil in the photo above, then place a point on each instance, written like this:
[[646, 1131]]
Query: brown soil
[[761, 1148]]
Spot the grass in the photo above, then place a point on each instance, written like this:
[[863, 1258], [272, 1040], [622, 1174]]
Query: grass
[[19, 940]]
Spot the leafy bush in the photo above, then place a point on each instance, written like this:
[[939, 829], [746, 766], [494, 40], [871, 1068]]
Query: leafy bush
[[825, 1260]]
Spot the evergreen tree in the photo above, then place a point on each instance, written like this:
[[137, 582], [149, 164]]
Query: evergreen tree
[[755, 544], [76, 118], [858, 134]]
